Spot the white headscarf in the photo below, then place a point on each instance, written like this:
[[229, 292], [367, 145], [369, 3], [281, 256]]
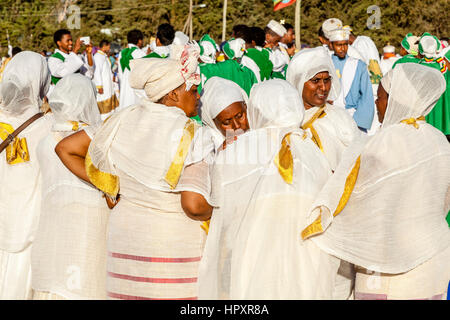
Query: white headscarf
[[428, 46], [275, 103], [218, 94], [180, 38], [394, 219], [309, 62], [74, 99], [413, 92], [157, 77], [26, 80]]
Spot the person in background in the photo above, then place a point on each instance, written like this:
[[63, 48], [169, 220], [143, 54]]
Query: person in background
[[388, 59]]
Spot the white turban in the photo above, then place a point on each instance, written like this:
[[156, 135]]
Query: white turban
[[26, 80], [277, 27], [306, 64], [330, 25], [234, 49], [273, 104], [74, 99], [389, 49], [160, 76], [339, 35]]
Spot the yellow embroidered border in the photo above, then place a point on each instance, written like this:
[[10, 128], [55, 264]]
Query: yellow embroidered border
[[413, 121], [17, 150], [174, 172], [309, 125], [316, 227], [106, 182], [205, 226], [108, 105], [284, 160]]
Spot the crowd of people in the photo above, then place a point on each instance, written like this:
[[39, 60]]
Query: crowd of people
[[247, 169]]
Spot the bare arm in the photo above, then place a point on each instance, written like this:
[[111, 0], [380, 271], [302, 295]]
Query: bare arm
[[72, 151], [195, 206]]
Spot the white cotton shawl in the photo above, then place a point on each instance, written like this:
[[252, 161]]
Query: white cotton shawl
[[218, 94], [25, 82], [395, 217], [258, 214]]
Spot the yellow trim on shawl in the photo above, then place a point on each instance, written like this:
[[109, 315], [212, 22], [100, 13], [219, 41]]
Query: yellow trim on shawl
[[284, 160], [413, 121], [205, 226], [309, 125], [316, 227], [106, 182], [176, 167], [17, 150]]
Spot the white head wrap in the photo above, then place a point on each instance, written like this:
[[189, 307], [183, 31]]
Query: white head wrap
[[275, 103], [26, 80], [234, 49], [160, 76], [277, 27], [218, 94], [208, 49], [306, 64], [180, 38], [413, 91], [74, 99], [389, 49], [339, 35], [330, 25], [428, 46]]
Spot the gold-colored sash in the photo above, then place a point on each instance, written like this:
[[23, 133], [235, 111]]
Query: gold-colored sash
[[174, 172], [413, 121], [316, 227], [205, 226], [106, 182], [17, 151], [284, 160], [309, 125]]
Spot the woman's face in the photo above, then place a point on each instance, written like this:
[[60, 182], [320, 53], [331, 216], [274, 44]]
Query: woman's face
[[381, 102], [188, 100], [316, 90], [233, 117]]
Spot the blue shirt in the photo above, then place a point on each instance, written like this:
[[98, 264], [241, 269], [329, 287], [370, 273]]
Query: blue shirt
[[360, 96]]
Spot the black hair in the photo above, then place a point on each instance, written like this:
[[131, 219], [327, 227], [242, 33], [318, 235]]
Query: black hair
[[57, 36], [321, 33], [288, 26], [104, 42], [258, 35], [134, 36], [239, 30], [16, 50], [165, 34]]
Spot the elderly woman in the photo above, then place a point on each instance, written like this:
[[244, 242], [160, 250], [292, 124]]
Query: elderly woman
[[224, 110], [69, 252], [25, 82], [267, 180], [148, 152], [312, 73], [394, 192]]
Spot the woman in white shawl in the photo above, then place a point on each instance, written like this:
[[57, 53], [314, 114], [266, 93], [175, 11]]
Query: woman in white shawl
[[25, 82], [266, 181], [69, 252], [312, 73], [393, 226], [224, 110], [149, 153]]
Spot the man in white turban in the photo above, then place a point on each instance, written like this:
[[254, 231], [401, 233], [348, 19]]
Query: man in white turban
[[356, 94], [155, 155], [26, 81], [267, 180], [388, 59], [279, 58], [384, 208]]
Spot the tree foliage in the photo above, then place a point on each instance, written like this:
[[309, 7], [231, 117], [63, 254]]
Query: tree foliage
[[31, 24]]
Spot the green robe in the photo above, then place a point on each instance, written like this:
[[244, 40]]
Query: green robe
[[261, 58], [230, 70]]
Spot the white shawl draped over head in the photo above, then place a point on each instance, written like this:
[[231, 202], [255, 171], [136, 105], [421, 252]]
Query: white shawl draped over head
[[397, 184], [218, 94], [74, 99], [260, 211], [147, 140], [26, 81], [306, 64]]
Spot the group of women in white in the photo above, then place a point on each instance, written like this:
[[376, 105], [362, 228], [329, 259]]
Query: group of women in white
[[277, 196]]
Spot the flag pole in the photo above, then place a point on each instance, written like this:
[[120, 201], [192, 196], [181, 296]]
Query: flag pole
[[190, 21], [224, 20], [297, 23]]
